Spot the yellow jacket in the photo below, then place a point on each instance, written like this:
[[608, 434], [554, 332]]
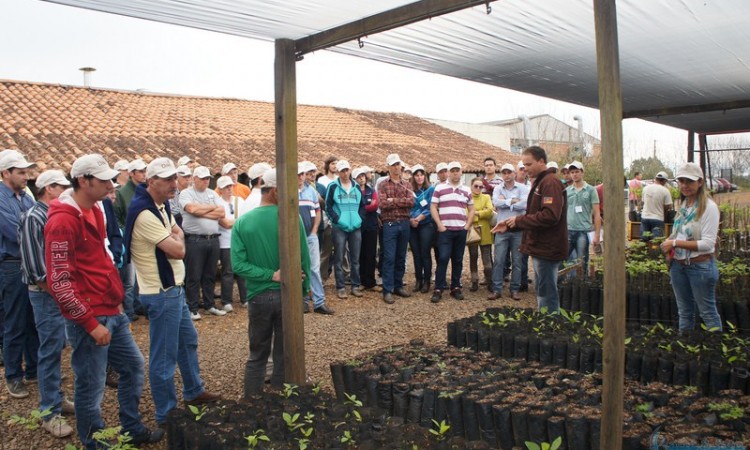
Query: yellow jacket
[[483, 211]]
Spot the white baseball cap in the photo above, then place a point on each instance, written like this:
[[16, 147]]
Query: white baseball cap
[[122, 164], [93, 164], [691, 171], [228, 167], [305, 166], [201, 172], [454, 165], [136, 164], [662, 176], [49, 177], [408, 169], [417, 167], [160, 167], [552, 165], [257, 170], [269, 178], [507, 166], [576, 165], [14, 160], [358, 171], [184, 171], [224, 181], [441, 166], [520, 165], [184, 161], [393, 159], [342, 165]]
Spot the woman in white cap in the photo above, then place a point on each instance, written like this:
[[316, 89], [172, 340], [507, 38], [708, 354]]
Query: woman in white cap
[[690, 251]]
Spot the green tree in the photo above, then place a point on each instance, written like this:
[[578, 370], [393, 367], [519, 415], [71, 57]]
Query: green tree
[[648, 167]]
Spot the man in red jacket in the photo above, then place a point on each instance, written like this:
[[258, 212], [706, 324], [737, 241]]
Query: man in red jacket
[[545, 227], [86, 285]]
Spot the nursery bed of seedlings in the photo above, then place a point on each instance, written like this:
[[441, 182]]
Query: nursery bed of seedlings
[[507, 402]]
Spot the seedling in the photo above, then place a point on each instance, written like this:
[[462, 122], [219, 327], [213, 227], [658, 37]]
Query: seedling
[[33, 421], [317, 387], [645, 409], [121, 441], [727, 411], [289, 390], [256, 438], [303, 443], [347, 439], [544, 445], [198, 413], [352, 400], [441, 430], [291, 421]]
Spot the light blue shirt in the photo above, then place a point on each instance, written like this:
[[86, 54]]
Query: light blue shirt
[[12, 205], [504, 207]]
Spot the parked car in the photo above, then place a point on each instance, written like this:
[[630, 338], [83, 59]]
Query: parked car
[[727, 185], [715, 185]]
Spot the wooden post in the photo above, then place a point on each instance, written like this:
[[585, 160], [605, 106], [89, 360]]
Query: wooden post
[[702, 145], [610, 110], [691, 146], [289, 238]]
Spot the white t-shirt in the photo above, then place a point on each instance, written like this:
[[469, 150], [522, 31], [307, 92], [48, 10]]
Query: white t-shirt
[[230, 208], [655, 197]]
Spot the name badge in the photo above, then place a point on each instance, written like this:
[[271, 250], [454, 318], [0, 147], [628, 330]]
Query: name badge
[[312, 213], [423, 202], [579, 209]]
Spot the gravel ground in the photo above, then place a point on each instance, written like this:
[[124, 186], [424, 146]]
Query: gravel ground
[[359, 325]]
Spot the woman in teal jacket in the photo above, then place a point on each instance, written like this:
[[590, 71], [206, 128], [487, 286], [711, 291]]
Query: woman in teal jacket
[[346, 209]]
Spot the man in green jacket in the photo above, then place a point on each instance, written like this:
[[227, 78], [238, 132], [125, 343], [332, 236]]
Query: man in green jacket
[[255, 257]]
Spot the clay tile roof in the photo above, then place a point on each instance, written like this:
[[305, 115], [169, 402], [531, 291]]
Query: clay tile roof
[[54, 124]]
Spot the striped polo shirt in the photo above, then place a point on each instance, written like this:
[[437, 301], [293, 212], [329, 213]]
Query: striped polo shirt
[[452, 202]]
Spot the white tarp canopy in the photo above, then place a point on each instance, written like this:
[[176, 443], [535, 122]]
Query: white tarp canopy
[[676, 56]]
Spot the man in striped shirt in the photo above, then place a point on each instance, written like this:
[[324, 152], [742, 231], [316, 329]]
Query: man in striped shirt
[[453, 211], [50, 323]]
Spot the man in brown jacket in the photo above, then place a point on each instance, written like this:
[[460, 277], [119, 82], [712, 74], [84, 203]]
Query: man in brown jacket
[[545, 227]]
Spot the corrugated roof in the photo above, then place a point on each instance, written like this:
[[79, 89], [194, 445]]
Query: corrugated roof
[[54, 124]]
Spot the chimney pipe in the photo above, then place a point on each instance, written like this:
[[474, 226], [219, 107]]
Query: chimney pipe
[[526, 129], [579, 119], [87, 75]]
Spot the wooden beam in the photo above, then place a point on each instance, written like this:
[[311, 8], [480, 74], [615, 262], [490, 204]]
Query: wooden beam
[[289, 238], [387, 20], [691, 109], [610, 110]]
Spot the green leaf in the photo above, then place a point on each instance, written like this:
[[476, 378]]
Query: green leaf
[[532, 445]]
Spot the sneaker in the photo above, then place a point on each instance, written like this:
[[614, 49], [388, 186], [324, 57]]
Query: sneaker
[[457, 294], [357, 292], [216, 312], [245, 305], [342, 293], [436, 296], [57, 427], [17, 389], [228, 308], [196, 316], [147, 437], [113, 378], [68, 407]]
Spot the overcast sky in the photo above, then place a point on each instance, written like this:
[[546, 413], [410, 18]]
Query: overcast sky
[[48, 43]]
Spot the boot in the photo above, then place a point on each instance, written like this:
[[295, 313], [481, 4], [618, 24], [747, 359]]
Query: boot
[[425, 287], [418, 286], [474, 286]]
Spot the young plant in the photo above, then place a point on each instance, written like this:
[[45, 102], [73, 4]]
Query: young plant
[[289, 390], [727, 411], [198, 413], [554, 445], [256, 438], [317, 387], [645, 409], [347, 439], [111, 439], [292, 421], [441, 430], [33, 421], [303, 443]]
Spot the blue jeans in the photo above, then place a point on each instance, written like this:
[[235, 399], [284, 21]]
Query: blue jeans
[[653, 226], [451, 245], [127, 276], [173, 341], [89, 363], [545, 284], [50, 325], [578, 242], [504, 241], [420, 241], [395, 243], [341, 241], [20, 340], [694, 287], [316, 282]]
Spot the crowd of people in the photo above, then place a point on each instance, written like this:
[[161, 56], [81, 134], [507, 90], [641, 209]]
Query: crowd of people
[[85, 254]]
